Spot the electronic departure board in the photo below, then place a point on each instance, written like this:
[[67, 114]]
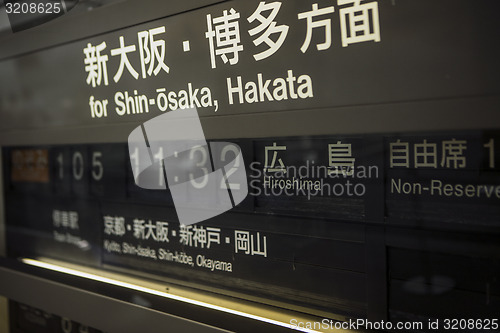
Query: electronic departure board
[[340, 159]]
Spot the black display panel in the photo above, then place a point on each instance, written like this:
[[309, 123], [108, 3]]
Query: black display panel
[[289, 241]]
